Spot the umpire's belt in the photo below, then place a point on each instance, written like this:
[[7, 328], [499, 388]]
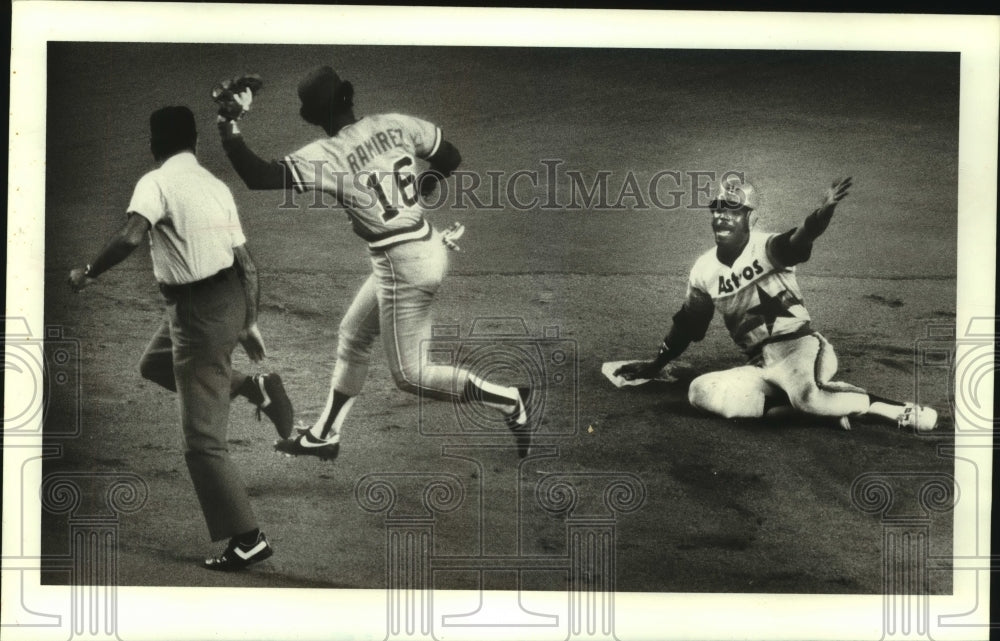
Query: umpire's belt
[[173, 291], [420, 231]]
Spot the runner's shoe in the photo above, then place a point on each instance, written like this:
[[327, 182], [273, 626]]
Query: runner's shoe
[[917, 418], [237, 556], [305, 444]]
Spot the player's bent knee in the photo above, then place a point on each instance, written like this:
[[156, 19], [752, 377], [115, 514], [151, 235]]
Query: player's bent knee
[[354, 356], [809, 400], [354, 338], [410, 387], [707, 394], [819, 402], [805, 400], [424, 383], [408, 382], [726, 397], [354, 350]]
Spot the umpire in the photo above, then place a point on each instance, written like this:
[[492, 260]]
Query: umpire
[[210, 285]]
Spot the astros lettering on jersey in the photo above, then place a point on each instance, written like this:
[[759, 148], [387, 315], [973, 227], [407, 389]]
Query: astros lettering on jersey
[[757, 296], [369, 167]]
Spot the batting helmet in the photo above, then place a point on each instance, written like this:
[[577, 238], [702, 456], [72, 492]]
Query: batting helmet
[[734, 192]]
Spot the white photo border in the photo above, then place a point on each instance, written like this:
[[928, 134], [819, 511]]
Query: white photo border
[[199, 613]]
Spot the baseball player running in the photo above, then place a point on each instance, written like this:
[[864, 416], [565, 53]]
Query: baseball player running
[[369, 166], [209, 282], [750, 278]]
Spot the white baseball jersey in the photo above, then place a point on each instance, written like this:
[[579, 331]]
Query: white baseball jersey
[[194, 224], [370, 168], [757, 296]]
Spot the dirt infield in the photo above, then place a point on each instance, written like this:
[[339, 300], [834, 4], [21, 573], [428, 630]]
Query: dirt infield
[[709, 505]]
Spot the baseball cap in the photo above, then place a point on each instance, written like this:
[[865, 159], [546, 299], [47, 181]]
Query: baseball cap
[[319, 85], [172, 129]]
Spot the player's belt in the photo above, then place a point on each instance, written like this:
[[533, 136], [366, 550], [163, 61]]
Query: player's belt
[[420, 231], [802, 331]]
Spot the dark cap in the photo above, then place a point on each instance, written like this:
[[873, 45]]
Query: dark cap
[[319, 86], [171, 130], [324, 96]]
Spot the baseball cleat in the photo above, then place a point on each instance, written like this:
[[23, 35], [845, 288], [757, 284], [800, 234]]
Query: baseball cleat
[[844, 423], [917, 418], [305, 444], [237, 556], [519, 422], [276, 404]]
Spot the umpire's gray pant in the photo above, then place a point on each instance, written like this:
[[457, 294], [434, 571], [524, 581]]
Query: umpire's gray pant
[[191, 354]]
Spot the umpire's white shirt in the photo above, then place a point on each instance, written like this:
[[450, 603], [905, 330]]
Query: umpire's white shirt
[[194, 221]]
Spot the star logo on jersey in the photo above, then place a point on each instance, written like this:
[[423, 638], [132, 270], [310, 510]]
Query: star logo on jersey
[[770, 308]]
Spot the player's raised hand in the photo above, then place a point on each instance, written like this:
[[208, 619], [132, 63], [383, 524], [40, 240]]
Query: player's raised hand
[[253, 343], [639, 370], [817, 222], [235, 96], [837, 192]]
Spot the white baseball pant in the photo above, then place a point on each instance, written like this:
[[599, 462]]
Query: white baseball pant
[[801, 367]]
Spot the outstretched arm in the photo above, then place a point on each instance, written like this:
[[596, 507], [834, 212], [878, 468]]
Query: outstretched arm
[[256, 172], [689, 325], [235, 98], [117, 249], [795, 245]]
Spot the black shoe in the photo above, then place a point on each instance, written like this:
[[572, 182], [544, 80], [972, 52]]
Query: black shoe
[[519, 422], [305, 444], [237, 556], [276, 404]]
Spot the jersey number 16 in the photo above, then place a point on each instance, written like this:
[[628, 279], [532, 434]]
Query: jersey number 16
[[402, 184]]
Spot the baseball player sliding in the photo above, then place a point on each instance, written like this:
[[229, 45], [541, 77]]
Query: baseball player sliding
[[750, 278], [369, 166]]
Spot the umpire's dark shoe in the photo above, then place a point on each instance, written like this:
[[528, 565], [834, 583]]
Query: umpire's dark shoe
[[519, 422], [305, 444], [276, 404], [237, 556]]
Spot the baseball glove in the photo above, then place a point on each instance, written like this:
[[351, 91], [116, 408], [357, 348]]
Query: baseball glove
[[234, 96]]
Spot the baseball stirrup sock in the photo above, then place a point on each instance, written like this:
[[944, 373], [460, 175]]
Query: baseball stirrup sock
[[265, 399], [333, 418], [492, 395], [887, 410], [884, 407], [879, 399]]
